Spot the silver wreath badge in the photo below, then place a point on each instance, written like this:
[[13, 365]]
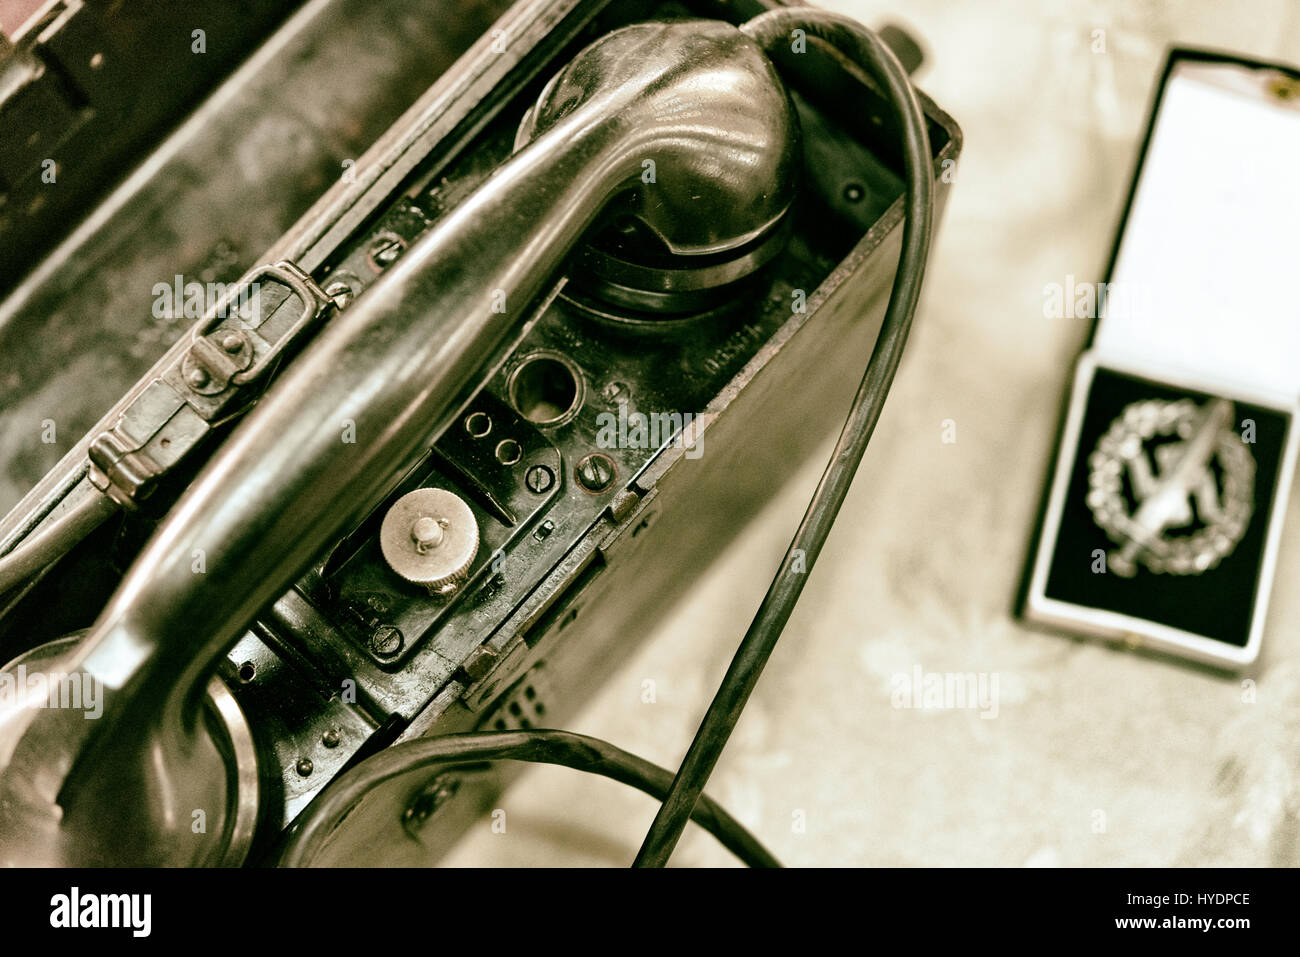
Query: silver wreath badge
[[1188, 501]]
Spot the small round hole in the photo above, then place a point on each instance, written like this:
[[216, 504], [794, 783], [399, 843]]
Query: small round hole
[[509, 452], [247, 672], [545, 390], [478, 424]]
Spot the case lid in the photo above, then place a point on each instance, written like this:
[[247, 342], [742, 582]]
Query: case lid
[[1201, 287]]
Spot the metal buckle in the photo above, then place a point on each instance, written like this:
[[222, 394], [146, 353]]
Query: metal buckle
[[225, 349]]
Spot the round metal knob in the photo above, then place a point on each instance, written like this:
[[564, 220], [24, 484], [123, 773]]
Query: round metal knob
[[430, 538]]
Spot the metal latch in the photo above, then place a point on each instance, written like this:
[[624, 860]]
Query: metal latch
[[225, 348], [230, 348]]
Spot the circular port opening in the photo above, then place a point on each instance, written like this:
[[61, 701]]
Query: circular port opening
[[478, 424], [509, 452], [546, 390]]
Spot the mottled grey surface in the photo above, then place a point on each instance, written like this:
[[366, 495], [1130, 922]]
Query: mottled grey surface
[[1096, 756]]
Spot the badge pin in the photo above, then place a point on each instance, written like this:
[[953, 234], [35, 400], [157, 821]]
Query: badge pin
[[1172, 485]]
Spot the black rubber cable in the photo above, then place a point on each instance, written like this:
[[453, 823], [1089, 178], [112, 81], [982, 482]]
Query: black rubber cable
[[541, 747], [863, 47]]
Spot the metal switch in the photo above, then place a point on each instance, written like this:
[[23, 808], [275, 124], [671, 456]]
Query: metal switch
[[430, 537]]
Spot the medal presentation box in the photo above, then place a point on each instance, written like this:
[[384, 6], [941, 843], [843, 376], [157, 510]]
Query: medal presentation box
[[1165, 505]]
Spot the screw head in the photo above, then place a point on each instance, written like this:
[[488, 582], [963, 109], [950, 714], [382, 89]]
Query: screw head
[[595, 472], [305, 767], [386, 641], [385, 250], [331, 738], [539, 479], [437, 793], [197, 377], [340, 292], [232, 342]]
